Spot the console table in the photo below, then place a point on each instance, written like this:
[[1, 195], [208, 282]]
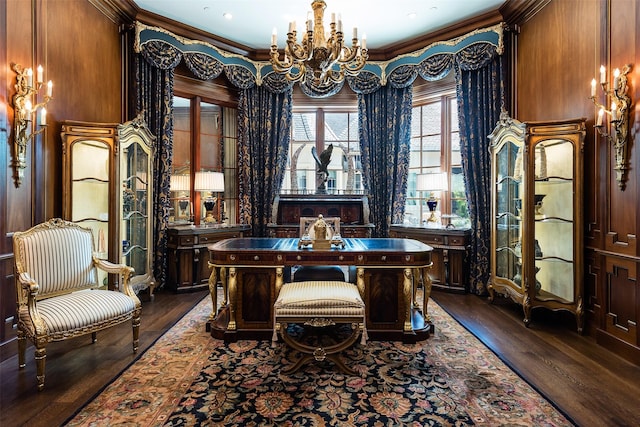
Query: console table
[[187, 255], [252, 272], [450, 270]]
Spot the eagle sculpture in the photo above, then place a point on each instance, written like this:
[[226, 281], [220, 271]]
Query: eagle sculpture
[[324, 159]]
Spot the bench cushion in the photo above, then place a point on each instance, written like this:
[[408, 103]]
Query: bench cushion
[[319, 298]]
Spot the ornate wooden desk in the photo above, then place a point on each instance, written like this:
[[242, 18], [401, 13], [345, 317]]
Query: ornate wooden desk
[[252, 270]]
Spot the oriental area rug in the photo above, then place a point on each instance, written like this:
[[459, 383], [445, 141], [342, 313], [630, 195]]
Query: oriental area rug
[[188, 378]]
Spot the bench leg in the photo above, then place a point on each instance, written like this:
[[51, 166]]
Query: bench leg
[[320, 353]]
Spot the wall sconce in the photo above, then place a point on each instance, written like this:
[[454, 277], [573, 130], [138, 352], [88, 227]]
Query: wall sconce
[[212, 182], [25, 114], [432, 182], [619, 116]]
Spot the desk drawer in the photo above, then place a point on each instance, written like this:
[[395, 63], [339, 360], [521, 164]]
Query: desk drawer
[[253, 259], [435, 240], [383, 259], [327, 258], [174, 240], [457, 241]]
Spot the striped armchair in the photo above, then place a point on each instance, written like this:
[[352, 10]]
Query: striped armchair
[[57, 289]]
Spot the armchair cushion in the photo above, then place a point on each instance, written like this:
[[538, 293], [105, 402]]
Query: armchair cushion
[[81, 312]]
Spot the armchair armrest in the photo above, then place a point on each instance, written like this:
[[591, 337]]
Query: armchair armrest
[[121, 269], [27, 283], [111, 267]]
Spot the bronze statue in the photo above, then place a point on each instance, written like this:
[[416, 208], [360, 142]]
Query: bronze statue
[[322, 162]]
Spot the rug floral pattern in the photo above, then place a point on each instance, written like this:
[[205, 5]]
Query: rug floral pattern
[[189, 379]]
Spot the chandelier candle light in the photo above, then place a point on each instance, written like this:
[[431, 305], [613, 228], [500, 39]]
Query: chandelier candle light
[[324, 58], [619, 116], [25, 113]]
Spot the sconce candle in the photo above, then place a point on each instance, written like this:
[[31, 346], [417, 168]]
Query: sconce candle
[[600, 116]]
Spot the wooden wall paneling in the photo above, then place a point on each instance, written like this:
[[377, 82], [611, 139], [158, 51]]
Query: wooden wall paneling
[[592, 306], [623, 217], [5, 154], [7, 298], [622, 302], [19, 42], [85, 67], [7, 309]]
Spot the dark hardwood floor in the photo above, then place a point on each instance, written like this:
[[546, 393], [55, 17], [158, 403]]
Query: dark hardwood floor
[[591, 385]]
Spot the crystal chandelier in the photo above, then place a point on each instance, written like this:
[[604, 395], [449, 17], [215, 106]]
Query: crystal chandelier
[[324, 58]]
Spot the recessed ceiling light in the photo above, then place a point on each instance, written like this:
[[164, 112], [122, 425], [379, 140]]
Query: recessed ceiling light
[[227, 16], [412, 15]]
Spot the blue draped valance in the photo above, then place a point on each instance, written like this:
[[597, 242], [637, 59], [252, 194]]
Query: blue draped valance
[[471, 51]]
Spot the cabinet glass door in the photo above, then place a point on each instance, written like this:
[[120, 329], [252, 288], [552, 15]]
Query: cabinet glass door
[[508, 195], [554, 233], [136, 201], [135, 212], [90, 193]]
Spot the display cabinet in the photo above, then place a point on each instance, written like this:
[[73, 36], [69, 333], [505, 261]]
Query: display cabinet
[[536, 208], [135, 202], [89, 183]]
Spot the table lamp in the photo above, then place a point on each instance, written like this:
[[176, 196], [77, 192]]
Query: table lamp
[[180, 184], [211, 182], [432, 182]]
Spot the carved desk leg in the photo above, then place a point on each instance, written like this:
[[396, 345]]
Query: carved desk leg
[[279, 280], [416, 281], [213, 291], [360, 281], [233, 295], [426, 284], [407, 291], [225, 290]]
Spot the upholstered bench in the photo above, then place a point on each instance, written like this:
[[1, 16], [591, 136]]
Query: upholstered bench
[[319, 304]]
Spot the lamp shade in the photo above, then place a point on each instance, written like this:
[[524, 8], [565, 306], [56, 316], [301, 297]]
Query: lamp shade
[[179, 183], [209, 181], [432, 182]]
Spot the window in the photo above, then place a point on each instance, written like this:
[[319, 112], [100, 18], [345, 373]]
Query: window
[[435, 147], [200, 144], [317, 129]]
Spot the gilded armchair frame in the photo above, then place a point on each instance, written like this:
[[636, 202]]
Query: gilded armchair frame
[[32, 324]]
